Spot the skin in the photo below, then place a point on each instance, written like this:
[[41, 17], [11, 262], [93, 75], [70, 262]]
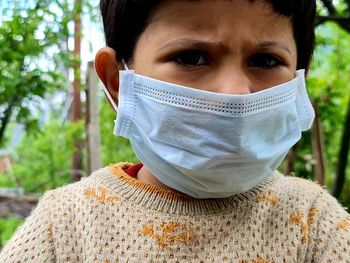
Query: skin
[[232, 47]]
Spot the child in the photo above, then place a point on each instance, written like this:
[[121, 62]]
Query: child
[[212, 98]]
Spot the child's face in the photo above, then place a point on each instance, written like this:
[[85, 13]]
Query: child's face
[[234, 47]]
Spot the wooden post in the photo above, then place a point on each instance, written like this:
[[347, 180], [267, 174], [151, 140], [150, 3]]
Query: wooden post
[[343, 156], [318, 148], [76, 105], [92, 121]]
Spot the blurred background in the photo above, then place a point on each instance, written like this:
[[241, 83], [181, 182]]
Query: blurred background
[[56, 126]]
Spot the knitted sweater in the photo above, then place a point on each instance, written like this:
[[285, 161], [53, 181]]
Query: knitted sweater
[[111, 217]]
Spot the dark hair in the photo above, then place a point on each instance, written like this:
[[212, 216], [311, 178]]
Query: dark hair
[[125, 20]]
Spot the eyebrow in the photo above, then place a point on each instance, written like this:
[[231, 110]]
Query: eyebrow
[[193, 43], [269, 45], [190, 43]]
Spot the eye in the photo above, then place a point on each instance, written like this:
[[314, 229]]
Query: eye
[[265, 61], [190, 58]]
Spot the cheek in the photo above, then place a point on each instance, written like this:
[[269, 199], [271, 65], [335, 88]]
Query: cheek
[[193, 77], [264, 79]]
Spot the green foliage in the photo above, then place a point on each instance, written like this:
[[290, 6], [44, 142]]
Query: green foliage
[[43, 158], [34, 55], [7, 227], [25, 37], [114, 148], [7, 180], [304, 166], [329, 87]]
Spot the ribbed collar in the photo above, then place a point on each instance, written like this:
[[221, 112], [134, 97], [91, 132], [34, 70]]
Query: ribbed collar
[[161, 200]]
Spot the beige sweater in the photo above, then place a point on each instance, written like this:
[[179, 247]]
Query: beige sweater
[[110, 217]]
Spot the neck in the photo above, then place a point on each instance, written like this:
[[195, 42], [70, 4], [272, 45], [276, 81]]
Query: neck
[[145, 176]]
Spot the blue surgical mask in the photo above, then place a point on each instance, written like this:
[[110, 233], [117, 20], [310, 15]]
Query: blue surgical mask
[[206, 144]]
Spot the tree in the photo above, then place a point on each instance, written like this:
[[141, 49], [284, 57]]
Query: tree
[[32, 55], [340, 14]]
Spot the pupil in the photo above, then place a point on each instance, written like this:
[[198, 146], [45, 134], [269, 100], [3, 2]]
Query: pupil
[[270, 62], [189, 58]]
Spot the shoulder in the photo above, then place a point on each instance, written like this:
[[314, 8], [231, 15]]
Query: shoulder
[[74, 195], [304, 195], [72, 188], [325, 224], [294, 183], [304, 190], [299, 189]]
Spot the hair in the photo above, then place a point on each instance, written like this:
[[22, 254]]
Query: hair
[[125, 20]]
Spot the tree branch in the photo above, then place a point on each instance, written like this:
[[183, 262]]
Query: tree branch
[[343, 22], [21, 198], [348, 6], [6, 119], [328, 4], [343, 156]]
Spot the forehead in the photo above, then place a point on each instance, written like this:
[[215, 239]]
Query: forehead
[[220, 19]]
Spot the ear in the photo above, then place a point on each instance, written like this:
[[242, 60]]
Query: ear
[[107, 69]]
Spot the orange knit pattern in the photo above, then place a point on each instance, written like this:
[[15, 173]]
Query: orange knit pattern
[[344, 224], [110, 217], [171, 232], [297, 218], [101, 195]]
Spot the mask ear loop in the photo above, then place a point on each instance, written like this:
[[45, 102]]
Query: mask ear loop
[[125, 65], [114, 105]]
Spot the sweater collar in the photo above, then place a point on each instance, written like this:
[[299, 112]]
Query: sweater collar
[[148, 196]]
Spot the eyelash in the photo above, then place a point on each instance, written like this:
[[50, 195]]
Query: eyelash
[[276, 61], [253, 61], [181, 55]]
